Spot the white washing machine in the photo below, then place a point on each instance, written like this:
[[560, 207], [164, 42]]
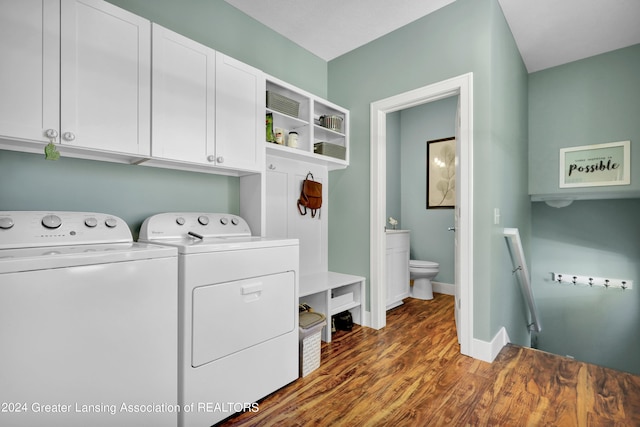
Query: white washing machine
[[238, 304], [88, 323]]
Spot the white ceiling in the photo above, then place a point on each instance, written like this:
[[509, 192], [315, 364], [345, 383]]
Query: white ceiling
[[547, 32]]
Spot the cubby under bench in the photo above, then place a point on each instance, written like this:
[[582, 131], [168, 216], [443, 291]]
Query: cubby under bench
[[331, 293]]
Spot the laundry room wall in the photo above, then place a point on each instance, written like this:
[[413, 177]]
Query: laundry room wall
[[465, 36], [130, 192]]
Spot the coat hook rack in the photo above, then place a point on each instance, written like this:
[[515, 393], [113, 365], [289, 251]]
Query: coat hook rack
[[606, 283]]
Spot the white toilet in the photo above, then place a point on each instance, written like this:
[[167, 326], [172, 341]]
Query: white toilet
[[422, 272]]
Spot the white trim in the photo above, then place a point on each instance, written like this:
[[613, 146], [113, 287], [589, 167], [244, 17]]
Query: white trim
[[444, 288], [463, 87], [487, 351]]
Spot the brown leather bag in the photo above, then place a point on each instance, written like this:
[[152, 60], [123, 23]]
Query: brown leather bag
[[310, 196]]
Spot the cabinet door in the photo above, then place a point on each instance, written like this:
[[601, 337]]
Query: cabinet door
[[183, 122], [105, 77], [397, 268], [240, 121], [30, 70]]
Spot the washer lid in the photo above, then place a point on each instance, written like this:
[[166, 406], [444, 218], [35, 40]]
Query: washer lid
[[423, 264], [44, 258]]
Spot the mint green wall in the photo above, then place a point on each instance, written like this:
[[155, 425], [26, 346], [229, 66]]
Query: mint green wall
[[589, 237], [224, 28], [430, 239], [590, 101], [135, 192], [465, 36], [394, 171], [506, 169], [130, 192]]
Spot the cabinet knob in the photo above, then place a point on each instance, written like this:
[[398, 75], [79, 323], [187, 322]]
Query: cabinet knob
[[211, 159], [68, 136], [220, 159], [51, 133], [272, 167]]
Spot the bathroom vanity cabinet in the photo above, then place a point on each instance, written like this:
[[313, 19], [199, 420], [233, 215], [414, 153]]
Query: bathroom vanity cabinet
[[397, 267]]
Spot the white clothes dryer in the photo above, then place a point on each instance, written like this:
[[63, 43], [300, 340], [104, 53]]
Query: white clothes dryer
[[88, 323], [238, 304]]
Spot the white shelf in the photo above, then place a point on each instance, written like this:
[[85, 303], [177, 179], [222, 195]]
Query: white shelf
[[296, 154]]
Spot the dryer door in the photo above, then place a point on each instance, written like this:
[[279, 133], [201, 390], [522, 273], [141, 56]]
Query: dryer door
[[229, 317]]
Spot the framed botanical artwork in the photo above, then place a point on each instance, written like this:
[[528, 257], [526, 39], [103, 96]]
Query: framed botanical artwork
[[595, 165], [441, 173]]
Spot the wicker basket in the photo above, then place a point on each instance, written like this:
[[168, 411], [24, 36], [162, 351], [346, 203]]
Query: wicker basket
[[331, 122], [310, 351], [328, 149], [282, 104], [311, 325]]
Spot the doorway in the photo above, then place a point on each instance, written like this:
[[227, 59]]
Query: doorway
[[462, 86]]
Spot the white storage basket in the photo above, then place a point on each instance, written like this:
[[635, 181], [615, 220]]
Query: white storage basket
[[310, 347]]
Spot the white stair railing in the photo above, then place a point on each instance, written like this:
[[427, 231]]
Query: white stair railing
[[514, 243]]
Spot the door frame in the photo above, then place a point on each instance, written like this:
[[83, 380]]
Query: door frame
[[462, 86]]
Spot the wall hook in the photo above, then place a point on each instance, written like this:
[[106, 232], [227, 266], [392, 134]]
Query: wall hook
[[577, 279]]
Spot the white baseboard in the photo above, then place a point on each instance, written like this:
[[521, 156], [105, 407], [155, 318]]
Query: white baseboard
[[444, 288], [487, 351], [366, 317]]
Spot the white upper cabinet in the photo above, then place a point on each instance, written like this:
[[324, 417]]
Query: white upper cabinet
[[206, 106], [105, 77], [76, 72], [30, 70], [240, 106], [184, 78]]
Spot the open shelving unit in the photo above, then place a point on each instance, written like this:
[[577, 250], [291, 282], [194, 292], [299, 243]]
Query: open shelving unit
[[308, 125]]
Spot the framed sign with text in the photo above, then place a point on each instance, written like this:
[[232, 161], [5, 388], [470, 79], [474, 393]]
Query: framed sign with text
[[595, 165]]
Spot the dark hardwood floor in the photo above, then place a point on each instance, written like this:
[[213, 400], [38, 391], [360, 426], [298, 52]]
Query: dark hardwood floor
[[411, 373]]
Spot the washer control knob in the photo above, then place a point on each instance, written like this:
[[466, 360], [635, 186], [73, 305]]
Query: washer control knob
[[224, 221], [203, 220], [110, 222], [235, 221], [6, 223], [91, 222], [180, 220], [51, 221]]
